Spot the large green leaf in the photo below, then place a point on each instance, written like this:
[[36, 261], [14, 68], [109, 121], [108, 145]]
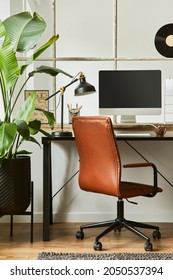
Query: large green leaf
[[23, 129], [39, 52], [9, 69], [35, 126], [23, 152], [7, 135], [47, 134], [49, 70], [50, 117], [26, 109], [24, 30], [31, 139], [44, 47]]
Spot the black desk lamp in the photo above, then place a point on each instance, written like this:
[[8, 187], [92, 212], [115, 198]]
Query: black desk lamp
[[83, 88]]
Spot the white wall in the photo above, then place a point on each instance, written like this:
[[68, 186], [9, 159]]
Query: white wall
[[5, 12], [86, 30]]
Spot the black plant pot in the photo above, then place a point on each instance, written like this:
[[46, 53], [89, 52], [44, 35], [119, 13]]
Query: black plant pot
[[15, 183]]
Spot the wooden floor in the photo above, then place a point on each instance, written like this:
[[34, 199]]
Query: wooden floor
[[62, 239]]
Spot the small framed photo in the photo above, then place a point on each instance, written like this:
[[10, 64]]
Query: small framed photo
[[40, 103]]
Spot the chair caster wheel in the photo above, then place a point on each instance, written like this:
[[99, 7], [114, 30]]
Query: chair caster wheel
[[97, 246], [80, 234], [117, 229], [156, 234], [148, 246]]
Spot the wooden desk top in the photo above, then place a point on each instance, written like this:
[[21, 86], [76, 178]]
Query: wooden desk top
[[122, 125], [143, 126], [156, 129], [158, 132]]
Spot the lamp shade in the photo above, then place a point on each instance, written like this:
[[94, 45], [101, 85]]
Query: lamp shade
[[84, 88]]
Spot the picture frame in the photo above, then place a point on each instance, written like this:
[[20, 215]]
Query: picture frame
[[40, 103]]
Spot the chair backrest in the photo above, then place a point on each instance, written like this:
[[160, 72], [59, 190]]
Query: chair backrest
[[100, 165]]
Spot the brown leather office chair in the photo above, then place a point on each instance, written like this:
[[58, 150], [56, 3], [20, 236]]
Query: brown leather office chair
[[100, 172]]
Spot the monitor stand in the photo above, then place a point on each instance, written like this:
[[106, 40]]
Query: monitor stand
[[128, 119]]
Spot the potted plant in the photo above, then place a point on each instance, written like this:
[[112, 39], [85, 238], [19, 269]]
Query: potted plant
[[19, 33]]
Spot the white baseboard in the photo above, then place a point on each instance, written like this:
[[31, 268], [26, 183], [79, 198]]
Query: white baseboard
[[97, 217], [76, 217]]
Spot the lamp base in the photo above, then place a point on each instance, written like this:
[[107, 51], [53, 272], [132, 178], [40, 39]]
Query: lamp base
[[62, 134]]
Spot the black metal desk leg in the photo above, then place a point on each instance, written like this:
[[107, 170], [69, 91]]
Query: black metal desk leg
[[47, 189]]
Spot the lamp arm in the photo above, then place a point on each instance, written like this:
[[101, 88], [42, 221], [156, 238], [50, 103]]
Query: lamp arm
[[64, 88]]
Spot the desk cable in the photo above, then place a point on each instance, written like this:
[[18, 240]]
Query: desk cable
[[148, 161]]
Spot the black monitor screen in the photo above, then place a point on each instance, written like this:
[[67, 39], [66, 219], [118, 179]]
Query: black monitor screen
[[130, 89]]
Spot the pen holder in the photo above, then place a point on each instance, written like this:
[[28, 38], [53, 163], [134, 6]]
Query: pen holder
[[73, 113]]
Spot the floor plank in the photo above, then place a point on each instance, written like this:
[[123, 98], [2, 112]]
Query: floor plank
[[62, 239]]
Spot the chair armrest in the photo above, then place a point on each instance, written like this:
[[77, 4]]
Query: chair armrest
[[143, 164], [146, 164]]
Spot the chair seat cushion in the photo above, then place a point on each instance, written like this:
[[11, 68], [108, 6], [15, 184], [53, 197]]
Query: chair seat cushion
[[131, 189]]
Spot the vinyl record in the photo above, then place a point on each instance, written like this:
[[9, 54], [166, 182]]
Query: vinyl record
[[164, 40]]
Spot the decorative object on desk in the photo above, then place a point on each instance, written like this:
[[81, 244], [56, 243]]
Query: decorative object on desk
[[73, 112], [83, 88], [160, 130], [40, 103], [164, 40]]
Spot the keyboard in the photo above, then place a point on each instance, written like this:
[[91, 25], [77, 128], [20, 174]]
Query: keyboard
[[132, 134]]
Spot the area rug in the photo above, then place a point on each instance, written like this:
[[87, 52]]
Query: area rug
[[99, 256]]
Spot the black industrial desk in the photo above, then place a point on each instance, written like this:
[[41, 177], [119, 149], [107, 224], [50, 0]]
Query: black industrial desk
[[47, 176]]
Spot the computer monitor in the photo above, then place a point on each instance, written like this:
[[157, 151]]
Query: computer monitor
[[129, 93]]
